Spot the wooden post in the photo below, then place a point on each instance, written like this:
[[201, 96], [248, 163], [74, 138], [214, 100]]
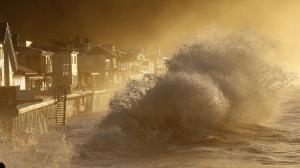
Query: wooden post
[[8, 108]]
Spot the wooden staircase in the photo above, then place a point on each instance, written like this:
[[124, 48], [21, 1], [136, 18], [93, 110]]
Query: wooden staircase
[[61, 102]]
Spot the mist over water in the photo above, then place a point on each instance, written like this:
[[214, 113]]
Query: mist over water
[[213, 100], [225, 80], [209, 109], [47, 150]]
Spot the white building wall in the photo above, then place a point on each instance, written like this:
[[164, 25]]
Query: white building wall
[[11, 80], [19, 80], [11, 75], [74, 67]]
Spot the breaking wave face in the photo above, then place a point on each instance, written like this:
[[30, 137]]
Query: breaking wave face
[[210, 84]]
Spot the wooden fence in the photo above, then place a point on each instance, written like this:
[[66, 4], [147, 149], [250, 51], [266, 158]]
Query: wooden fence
[[37, 117]]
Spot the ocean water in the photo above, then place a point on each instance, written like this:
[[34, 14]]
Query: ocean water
[[276, 144], [221, 103]]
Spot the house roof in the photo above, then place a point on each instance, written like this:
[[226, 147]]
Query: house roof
[[5, 38], [101, 50], [131, 56], [94, 59], [26, 70], [49, 48], [23, 49]]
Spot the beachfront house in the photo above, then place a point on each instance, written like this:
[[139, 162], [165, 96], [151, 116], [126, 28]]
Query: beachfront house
[[8, 61]]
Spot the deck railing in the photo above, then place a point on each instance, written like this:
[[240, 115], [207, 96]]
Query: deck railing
[[36, 118]]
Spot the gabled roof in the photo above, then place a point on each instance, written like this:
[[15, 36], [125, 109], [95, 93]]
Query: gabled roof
[[5, 38], [26, 70], [50, 48], [23, 49], [133, 55], [101, 50]]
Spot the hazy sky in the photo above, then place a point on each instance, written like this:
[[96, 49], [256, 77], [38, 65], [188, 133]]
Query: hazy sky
[[159, 22]]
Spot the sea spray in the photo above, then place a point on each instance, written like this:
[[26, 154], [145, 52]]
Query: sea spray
[[226, 78], [46, 150], [215, 91]]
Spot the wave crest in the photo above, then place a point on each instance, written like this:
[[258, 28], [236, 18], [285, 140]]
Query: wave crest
[[224, 80]]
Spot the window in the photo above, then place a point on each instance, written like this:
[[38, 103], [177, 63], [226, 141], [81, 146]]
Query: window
[[65, 69], [107, 63], [75, 60], [48, 64], [74, 80]]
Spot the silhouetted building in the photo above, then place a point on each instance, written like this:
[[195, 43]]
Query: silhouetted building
[[100, 60], [159, 61], [37, 66], [134, 64], [8, 61], [65, 66]]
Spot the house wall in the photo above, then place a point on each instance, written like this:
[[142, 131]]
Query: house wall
[[65, 70], [61, 68], [11, 78], [47, 63], [11, 75], [31, 59], [20, 80], [93, 63]]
